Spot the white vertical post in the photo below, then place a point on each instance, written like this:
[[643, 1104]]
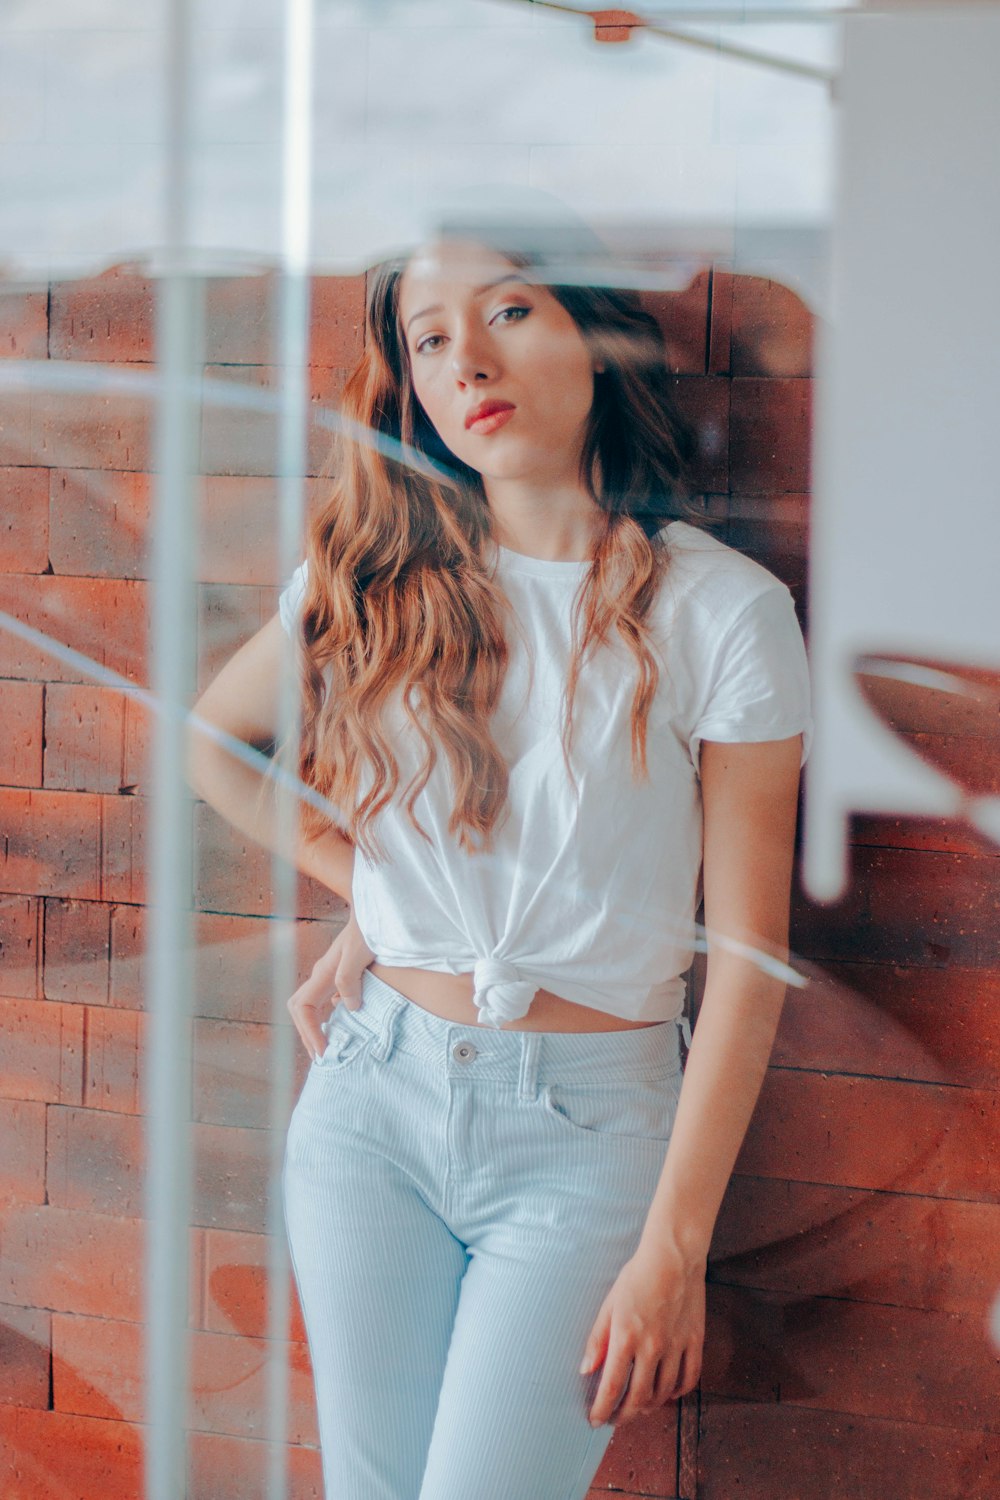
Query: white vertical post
[[292, 349], [167, 1057]]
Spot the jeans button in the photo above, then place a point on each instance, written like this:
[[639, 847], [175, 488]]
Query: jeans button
[[463, 1051]]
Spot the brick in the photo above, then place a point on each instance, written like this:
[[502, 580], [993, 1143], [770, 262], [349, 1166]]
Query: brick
[[52, 844], [109, 317], [24, 520], [236, 1286], [102, 427], [934, 1025], [704, 402], [812, 1239], [103, 619], [947, 835], [22, 1161], [775, 531], [24, 1356], [21, 706], [914, 710], [77, 949], [243, 439], [967, 760], [228, 615], [113, 1075], [683, 317], [20, 945], [242, 316], [239, 529], [779, 1452], [95, 1160], [112, 318], [24, 319], [96, 739], [45, 1454], [70, 1260], [41, 1043], [930, 1139], [100, 523], [98, 1370], [232, 961], [230, 1468], [856, 1358], [910, 907], [234, 1072], [16, 446], [337, 321], [233, 873], [772, 329], [642, 1457], [125, 848], [614, 26], [231, 1171], [769, 435], [721, 321], [73, 844]]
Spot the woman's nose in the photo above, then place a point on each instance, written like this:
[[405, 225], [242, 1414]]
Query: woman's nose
[[472, 359]]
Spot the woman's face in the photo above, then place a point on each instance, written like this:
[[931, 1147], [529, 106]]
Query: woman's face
[[478, 331]]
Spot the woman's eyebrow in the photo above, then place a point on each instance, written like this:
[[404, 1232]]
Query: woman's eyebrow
[[477, 291]]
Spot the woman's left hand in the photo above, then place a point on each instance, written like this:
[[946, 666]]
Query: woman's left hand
[[652, 1321]]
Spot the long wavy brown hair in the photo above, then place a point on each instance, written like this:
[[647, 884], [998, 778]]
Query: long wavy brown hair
[[401, 600]]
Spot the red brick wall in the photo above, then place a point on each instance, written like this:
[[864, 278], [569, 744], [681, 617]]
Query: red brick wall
[[854, 1258]]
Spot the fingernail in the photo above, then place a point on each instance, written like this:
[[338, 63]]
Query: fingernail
[[585, 1366]]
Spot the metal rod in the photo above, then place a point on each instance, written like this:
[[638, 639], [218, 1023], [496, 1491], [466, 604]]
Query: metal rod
[[293, 428], [167, 1055], [707, 44]]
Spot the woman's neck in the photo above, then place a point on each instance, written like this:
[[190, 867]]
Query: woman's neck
[[559, 525]]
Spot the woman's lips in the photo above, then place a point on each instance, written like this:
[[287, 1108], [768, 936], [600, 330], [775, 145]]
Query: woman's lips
[[491, 422]]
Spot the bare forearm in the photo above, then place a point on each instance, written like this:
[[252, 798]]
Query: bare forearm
[[245, 798], [725, 1069]]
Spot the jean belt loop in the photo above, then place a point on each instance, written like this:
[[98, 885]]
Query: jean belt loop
[[385, 1041], [528, 1075]]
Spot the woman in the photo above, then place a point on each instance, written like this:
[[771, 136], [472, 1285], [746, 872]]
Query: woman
[[549, 712]]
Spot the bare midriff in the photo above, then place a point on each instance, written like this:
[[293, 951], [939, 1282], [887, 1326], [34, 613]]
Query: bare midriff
[[450, 997]]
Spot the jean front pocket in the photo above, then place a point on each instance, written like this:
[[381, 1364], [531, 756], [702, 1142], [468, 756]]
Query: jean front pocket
[[636, 1110], [346, 1041]]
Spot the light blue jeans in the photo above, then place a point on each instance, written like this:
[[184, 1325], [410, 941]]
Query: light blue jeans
[[459, 1201]]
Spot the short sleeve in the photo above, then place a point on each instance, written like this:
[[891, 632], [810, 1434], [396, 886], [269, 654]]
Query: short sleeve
[[760, 688], [291, 597]]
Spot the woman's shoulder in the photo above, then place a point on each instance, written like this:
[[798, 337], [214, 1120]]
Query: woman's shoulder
[[707, 576]]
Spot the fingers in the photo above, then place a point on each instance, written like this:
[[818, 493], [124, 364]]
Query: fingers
[[312, 1002], [688, 1372], [614, 1380], [308, 1023], [336, 975], [641, 1384]]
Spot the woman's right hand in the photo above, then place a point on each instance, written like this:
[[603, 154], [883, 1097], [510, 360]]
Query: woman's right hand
[[335, 975]]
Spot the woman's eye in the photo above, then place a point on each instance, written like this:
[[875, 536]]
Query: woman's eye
[[523, 310], [427, 345]]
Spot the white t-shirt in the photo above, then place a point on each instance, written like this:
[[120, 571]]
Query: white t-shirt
[[594, 900]]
